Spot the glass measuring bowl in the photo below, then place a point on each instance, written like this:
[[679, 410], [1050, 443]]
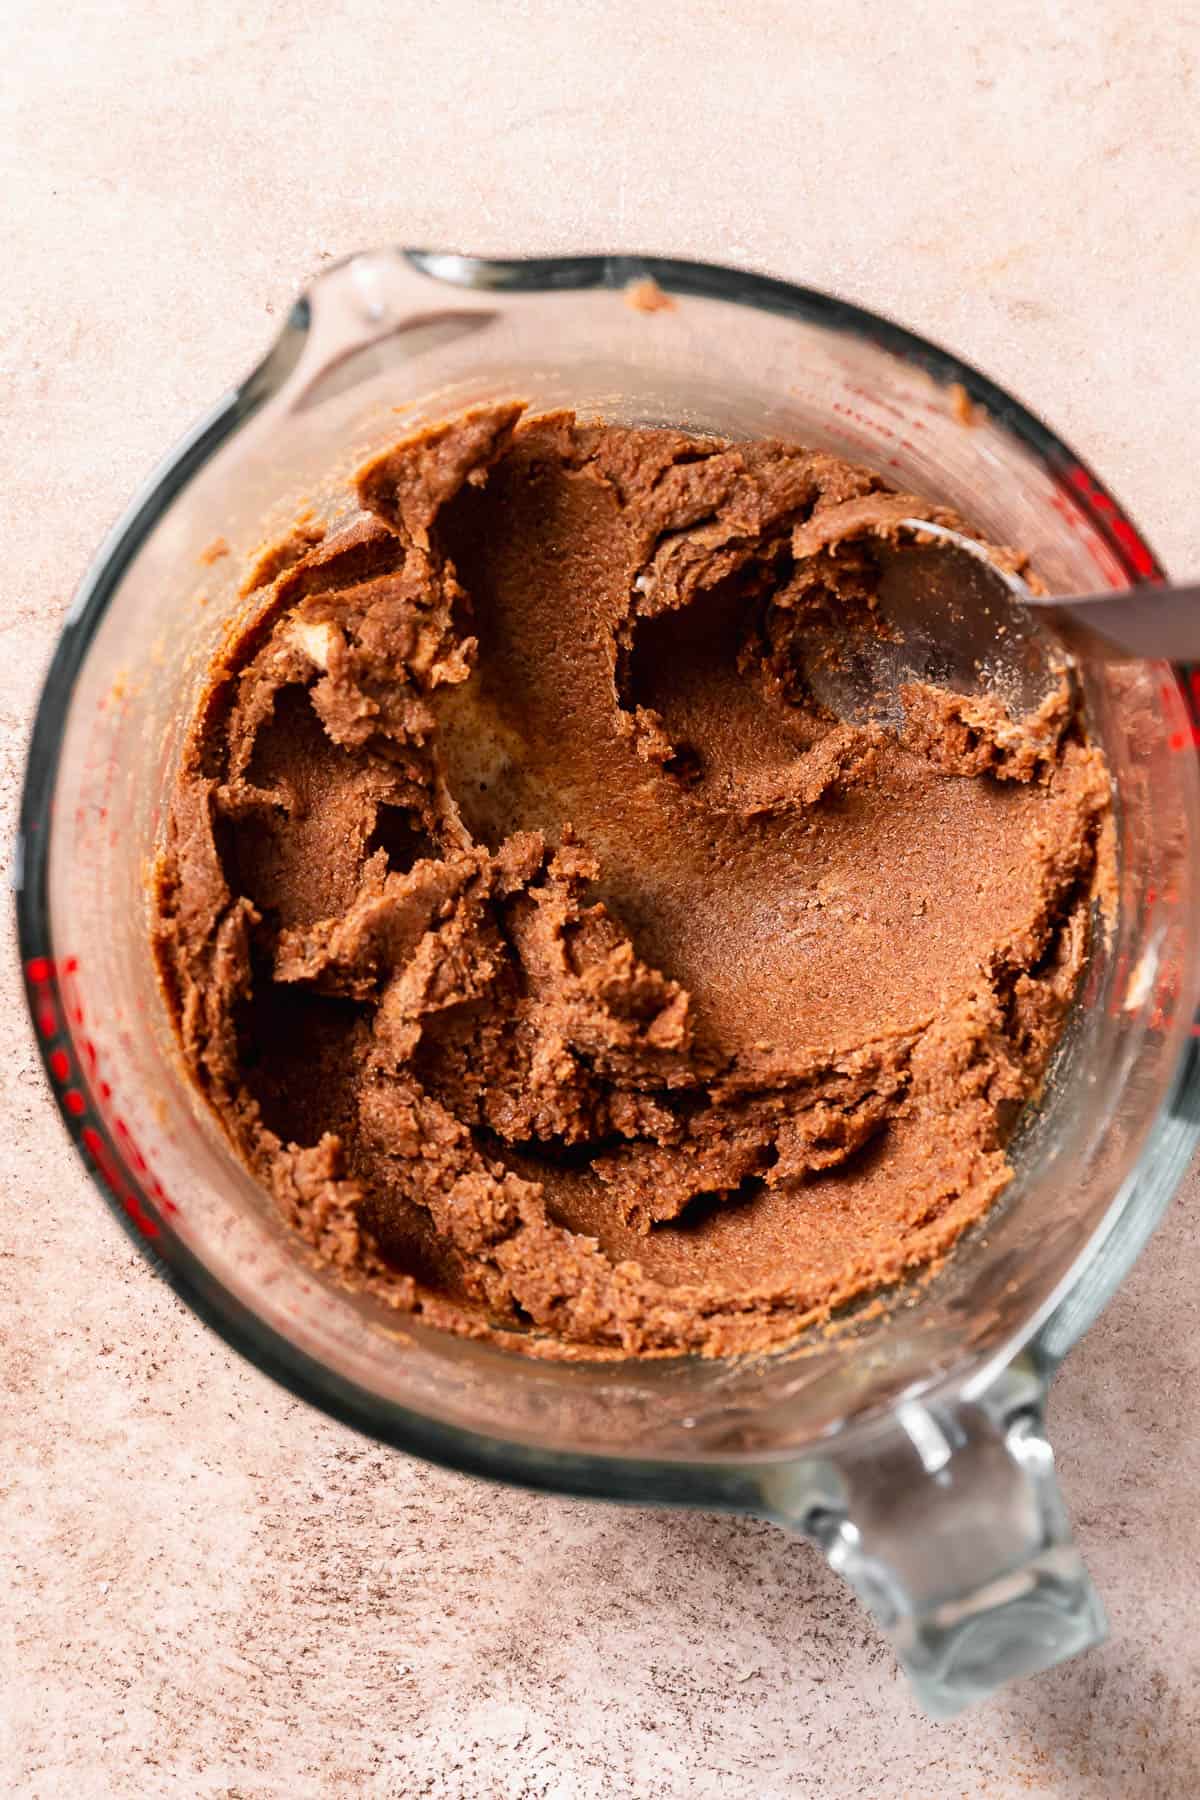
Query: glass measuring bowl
[[908, 1444]]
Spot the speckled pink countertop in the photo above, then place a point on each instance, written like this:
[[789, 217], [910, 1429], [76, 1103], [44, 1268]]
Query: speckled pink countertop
[[211, 1590]]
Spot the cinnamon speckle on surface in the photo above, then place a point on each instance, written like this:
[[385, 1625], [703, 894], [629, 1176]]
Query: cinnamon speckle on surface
[[967, 411], [647, 297]]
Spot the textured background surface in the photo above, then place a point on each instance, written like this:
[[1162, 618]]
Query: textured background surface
[[211, 1591]]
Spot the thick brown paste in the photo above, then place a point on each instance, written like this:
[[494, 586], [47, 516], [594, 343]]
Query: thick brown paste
[[566, 972]]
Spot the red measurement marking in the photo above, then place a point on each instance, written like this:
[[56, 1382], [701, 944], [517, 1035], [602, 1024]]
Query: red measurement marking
[[1139, 555], [125, 1138], [873, 399], [860, 418], [1118, 524], [129, 1202], [40, 972], [145, 1224], [160, 1194]]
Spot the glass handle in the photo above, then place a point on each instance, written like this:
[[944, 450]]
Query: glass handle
[[951, 1529]]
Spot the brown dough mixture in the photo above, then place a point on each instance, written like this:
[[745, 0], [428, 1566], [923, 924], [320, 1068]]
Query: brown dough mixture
[[568, 975]]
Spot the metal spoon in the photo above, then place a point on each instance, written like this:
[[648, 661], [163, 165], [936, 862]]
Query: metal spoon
[[958, 620], [1157, 623]]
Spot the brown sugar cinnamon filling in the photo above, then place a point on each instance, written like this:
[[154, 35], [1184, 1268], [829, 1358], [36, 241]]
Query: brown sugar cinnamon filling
[[568, 973]]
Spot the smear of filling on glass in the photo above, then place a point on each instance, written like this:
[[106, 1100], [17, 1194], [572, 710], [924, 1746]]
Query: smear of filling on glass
[[567, 973]]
